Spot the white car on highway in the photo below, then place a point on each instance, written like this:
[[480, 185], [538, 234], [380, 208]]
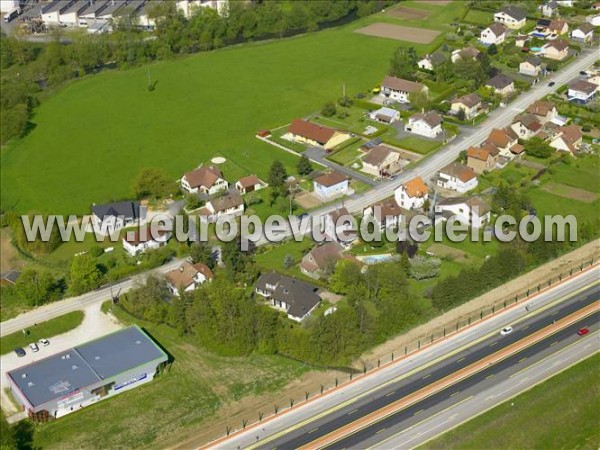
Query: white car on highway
[[506, 330]]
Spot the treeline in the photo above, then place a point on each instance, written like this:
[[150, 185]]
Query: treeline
[[27, 67], [228, 320]]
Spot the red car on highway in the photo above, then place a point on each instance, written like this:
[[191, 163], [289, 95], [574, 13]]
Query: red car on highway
[[583, 331]]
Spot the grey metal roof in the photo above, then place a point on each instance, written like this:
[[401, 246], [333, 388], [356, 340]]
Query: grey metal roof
[[77, 7], [300, 295], [127, 209], [56, 6], [112, 7], [131, 7], [94, 7], [74, 369]]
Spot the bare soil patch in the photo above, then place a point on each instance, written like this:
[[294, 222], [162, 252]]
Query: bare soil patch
[[307, 200], [400, 33], [445, 251], [569, 192], [403, 12], [434, 2]]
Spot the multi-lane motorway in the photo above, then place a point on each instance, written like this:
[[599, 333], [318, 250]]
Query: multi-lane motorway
[[332, 412]]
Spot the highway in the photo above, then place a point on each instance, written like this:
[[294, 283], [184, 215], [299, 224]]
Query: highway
[[393, 392], [425, 168]]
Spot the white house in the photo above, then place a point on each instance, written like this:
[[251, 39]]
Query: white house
[[230, 204], [297, 299], [188, 7], [399, 90], [249, 184], [50, 12], [526, 126], [431, 61], [113, 217], [381, 161], [471, 211], [457, 177], [568, 139], [532, 66], [188, 277], [428, 125], [583, 33], [385, 115], [465, 53], [413, 194], [511, 16], [494, 34], [386, 213], [70, 17], [581, 91], [549, 8], [545, 111], [470, 104], [501, 84], [331, 185], [9, 5], [593, 20], [140, 240], [204, 180], [557, 49]]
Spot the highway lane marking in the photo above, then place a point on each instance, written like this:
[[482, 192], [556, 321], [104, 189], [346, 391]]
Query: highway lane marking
[[424, 366], [391, 393], [554, 343], [461, 359], [489, 376], [418, 412], [426, 376], [523, 359], [554, 313], [456, 393], [313, 430], [525, 327], [383, 429], [493, 343], [352, 412]]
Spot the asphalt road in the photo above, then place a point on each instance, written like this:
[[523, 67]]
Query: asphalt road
[[395, 391]]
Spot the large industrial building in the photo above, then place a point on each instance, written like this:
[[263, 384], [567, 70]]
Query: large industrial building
[[70, 380]]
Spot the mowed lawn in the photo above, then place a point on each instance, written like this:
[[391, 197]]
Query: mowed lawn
[[92, 138], [559, 413]]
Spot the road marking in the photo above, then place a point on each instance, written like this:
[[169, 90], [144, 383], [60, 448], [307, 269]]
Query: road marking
[[525, 327], [556, 363], [383, 429], [523, 359], [418, 412], [391, 393], [352, 412], [426, 376], [493, 343], [456, 393], [554, 313], [461, 359], [489, 376], [554, 343], [313, 430]]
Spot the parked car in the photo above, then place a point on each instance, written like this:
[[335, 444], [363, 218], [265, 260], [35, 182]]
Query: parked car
[[583, 72], [44, 342], [552, 83], [506, 330], [20, 352], [583, 331], [33, 347]]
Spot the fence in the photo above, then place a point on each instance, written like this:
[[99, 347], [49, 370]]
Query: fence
[[418, 344]]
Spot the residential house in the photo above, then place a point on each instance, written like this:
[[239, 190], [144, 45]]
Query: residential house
[[502, 85], [557, 50], [503, 140], [206, 180], [386, 213], [339, 227], [89, 16], [465, 53], [314, 134], [596, 7], [471, 105], [532, 66], [385, 115], [595, 79], [111, 217], [296, 298], [521, 40], [430, 62], [558, 27], [50, 12], [140, 240], [511, 16], [331, 185], [584, 33], [249, 184], [70, 17], [321, 260], [494, 34], [544, 111], [581, 91], [593, 20], [413, 194], [230, 204], [188, 277], [188, 7], [399, 90], [472, 211], [482, 159], [145, 15], [428, 125], [457, 177], [526, 126], [381, 161], [568, 139], [565, 3], [549, 8]]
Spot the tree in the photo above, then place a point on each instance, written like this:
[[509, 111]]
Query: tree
[[304, 166], [328, 109], [277, 175], [403, 63], [460, 114], [84, 274], [8, 440], [538, 148], [34, 287], [492, 50], [153, 183], [345, 101], [419, 100], [288, 261], [202, 252]]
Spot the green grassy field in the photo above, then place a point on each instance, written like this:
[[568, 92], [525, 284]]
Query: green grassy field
[[52, 327], [559, 413], [92, 138], [194, 387]]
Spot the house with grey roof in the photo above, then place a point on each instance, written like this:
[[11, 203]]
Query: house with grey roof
[[512, 16], [298, 299], [70, 380], [472, 211], [113, 217]]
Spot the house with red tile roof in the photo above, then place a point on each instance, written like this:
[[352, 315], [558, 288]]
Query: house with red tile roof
[[482, 159], [188, 277], [305, 132], [413, 194], [204, 180], [457, 177], [569, 139]]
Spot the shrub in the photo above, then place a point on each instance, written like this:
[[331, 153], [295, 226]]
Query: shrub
[[329, 109]]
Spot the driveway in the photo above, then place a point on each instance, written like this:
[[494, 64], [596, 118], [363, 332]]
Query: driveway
[[318, 154], [95, 324]]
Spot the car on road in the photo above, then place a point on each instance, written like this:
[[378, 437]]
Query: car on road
[[33, 347], [583, 72], [20, 352], [44, 342], [583, 331], [552, 83], [506, 330]]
